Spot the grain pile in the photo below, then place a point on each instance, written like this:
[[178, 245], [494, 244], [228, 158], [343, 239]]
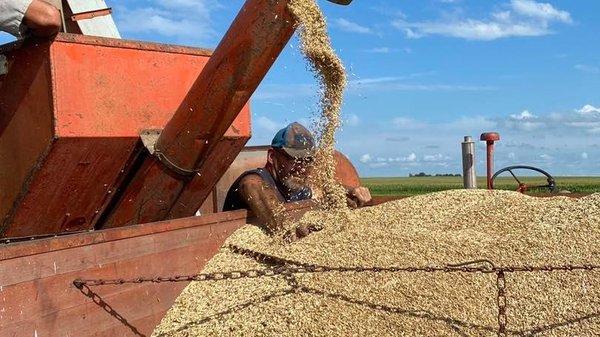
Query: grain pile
[[444, 228], [331, 75]]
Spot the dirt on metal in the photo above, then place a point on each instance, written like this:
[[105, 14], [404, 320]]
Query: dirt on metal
[[452, 227]]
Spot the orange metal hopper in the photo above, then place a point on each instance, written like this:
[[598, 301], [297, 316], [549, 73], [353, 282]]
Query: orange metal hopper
[[71, 112]]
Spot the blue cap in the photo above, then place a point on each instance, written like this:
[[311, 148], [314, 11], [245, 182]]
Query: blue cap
[[295, 140]]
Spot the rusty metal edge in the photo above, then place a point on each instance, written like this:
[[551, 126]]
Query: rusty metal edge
[[29, 248], [113, 43], [130, 44]]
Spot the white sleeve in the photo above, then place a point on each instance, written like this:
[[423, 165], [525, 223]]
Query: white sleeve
[[11, 16]]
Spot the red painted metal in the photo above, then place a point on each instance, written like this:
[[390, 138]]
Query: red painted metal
[[39, 299], [490, 138], [70, 115], [190, 140]]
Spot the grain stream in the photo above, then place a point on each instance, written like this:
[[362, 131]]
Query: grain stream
[[331, 75]]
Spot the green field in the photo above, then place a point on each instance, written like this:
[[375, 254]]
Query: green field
[[422, 185]]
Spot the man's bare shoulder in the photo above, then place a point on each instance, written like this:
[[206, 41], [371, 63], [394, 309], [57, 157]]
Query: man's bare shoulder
[[251, 178], [253, 182]]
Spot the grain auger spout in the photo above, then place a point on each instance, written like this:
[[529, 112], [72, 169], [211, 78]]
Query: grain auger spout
[[187, 157], [238, 65]]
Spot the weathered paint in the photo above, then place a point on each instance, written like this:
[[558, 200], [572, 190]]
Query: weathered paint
[[190, 139], [70, 114], [38, 295]]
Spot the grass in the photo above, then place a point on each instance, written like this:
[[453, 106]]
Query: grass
[[421, 185]]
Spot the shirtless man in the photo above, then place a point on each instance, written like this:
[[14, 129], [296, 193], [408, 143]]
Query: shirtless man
[[267, 191]]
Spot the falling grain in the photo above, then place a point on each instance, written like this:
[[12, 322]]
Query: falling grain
[[330, 73]]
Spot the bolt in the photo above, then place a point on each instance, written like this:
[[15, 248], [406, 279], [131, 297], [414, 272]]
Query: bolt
[[490, 138]]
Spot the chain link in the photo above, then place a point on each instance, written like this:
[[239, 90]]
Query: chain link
[[86, 291], [502, 303]]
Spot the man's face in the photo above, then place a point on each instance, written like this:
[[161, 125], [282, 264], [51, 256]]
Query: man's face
[[291, 172]]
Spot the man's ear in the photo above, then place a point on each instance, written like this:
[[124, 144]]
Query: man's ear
[[270, 156]]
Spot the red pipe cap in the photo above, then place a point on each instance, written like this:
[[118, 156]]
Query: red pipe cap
[[490, 136]]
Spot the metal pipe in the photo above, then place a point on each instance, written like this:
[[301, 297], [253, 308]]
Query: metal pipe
[[250, 47], [490, 138], [490, 164], [468, 156]]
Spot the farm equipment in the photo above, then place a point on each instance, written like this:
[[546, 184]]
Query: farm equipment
[[490, 138], [107, 149]]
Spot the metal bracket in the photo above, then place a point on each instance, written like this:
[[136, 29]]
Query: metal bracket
[[149, 138], [91, 14]]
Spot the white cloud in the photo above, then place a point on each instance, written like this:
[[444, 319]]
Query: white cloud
[[470, 29], [267, 124], [588, 68], [378, 165], [525, 115], [524, 18], [584, 155], [525, 121], [410, 158], [542, 11], [365, 158], [379, 50], [373, 80], [271, 92], [435, 157], [186, 20], [588, 110], [408, 123], [351, 27], [546, 157]]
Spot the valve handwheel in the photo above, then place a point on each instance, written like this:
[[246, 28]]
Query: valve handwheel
[[522, 187]]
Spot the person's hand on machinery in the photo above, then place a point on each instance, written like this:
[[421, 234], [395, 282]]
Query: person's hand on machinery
[[42, 19]]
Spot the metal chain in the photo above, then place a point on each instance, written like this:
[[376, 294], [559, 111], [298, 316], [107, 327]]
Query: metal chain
[[86, 291], [289, 267], [502, 304]]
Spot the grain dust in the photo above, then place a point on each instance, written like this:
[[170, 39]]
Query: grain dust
[[443, 228]]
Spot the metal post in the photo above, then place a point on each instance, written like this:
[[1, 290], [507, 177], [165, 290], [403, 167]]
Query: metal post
[[468, 157], [490, 138]]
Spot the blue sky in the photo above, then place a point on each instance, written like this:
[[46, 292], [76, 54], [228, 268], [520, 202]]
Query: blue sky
[[423, 74]]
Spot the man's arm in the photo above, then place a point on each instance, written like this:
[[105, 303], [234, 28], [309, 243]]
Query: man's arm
[[266, 205], [42, 19]]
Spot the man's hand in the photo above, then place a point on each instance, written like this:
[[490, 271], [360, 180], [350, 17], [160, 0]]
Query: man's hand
[[358, 197], [300, 232], [42, 19]]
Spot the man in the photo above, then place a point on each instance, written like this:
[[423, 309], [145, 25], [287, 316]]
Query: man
[[23, 17], [268, 191]]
